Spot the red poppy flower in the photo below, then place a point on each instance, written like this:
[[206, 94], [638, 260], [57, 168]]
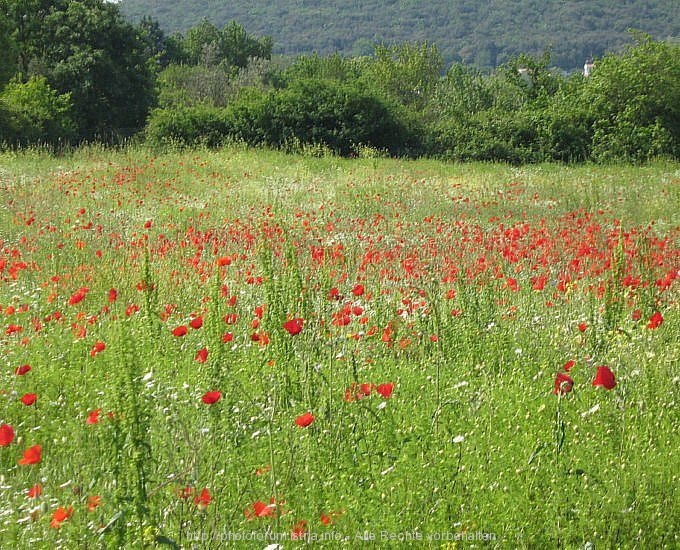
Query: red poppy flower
[[60, 515], [185, 492], [180, 331], [113, 295], [563, 384], [304, 420], [385, 389], [23, 369], [93, 417], [261, 510], [98, 347], [13, 329], [334, 294], [293, 326], [31, 456], [202, 355], [203, 499], [604, 378], [358, 289], [259, 312], [227, 337], [29, 398], [92, 502], [655, 320], [6, 435], [223, 261], [35, 491], [211, 397], [78, 296], [131, 310], [299, 530], [569, 365], [196, 322], [582, 327]]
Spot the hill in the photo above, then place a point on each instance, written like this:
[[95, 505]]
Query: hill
[[485, 34]]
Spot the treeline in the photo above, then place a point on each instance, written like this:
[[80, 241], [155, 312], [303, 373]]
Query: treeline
[[76, 70], [484, 34]]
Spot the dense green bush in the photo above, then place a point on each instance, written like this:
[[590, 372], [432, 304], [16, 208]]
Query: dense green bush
[[634, 102], [35, 113], [338, 116]]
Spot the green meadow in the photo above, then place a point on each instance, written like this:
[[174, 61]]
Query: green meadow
[[242, 348]]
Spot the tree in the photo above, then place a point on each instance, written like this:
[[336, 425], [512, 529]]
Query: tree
[[408, 72], [205, 44], [85, 48], [37, 113], [633, 100], [8, 51]]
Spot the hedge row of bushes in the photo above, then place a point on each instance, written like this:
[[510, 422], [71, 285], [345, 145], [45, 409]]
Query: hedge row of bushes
[[628, 109]]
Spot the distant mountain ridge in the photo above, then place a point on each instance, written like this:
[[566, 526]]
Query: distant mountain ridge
[[485, 34]]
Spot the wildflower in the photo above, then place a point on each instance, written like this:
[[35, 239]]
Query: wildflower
[[604, 378], [569, 365], [92, 502], [304, 420], [655, 320], [563, 384], [582, 327], [29, 398], [60, 515], [261, 510], [180, 331], [385, 390], [299, 530], [78, 296], [31, 456], [203, 499], [6, 435], [211, 397], [98, 347], [185, 493], [636, 315], [113, 295], [358, 289], [93, 417], [293, 326], [196, 322], [23, 369], [201, 355], [35, 491]]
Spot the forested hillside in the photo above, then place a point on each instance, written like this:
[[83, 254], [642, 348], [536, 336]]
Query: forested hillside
[[485, 34]]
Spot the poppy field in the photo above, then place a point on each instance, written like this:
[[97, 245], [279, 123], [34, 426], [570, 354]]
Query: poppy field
[[250, 349]]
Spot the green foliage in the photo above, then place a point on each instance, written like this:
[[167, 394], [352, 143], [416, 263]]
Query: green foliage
[[486, 34], [634, 102], [407, 73], [205, 44], [36, 113], [86, 49], [307, 112], [8, 50], [188, 125]]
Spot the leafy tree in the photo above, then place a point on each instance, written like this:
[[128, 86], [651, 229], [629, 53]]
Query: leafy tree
[[634, 102], [205, 44], [8, 51], [37, 113], [85, 48], [407, 72]]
